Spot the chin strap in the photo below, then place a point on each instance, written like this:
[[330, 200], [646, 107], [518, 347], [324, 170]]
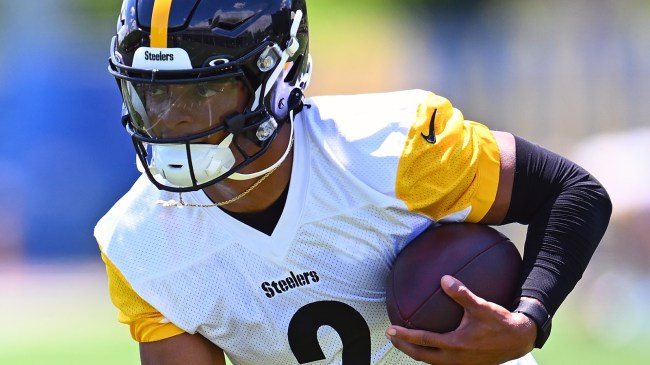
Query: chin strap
[[181, 203], [241, 176], [266, 173], [295, 106]]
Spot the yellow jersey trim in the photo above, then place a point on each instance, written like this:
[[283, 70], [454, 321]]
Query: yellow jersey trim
[[145, 322], [487, 175], [456, 172]]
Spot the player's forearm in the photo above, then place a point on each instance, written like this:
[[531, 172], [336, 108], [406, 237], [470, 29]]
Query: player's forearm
[[567, 212]]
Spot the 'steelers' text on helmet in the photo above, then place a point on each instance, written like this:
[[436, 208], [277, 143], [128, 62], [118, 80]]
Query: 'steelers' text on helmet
[[239, 67]]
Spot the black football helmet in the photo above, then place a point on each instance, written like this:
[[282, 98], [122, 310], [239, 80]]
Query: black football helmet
[[191, 71]]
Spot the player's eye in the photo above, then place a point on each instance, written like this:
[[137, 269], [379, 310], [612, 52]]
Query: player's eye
[[207, 90], [153, 90]]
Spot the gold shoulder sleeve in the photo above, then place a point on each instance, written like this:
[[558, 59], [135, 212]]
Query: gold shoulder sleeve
[[454, 174], [145, 322]]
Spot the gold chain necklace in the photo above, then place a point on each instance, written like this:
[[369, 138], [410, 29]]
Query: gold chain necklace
[[181, 203]]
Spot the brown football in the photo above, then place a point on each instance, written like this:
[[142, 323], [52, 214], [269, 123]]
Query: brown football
[[484, 259]]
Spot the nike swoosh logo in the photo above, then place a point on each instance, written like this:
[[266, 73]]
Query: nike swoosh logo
[[431, 138]]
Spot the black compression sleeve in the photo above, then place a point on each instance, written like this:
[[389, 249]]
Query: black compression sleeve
[[567, 211]]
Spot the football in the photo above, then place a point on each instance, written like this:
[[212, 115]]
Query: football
[[481, 257]]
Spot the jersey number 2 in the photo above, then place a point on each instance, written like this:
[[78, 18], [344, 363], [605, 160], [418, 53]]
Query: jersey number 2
[[345, 320]]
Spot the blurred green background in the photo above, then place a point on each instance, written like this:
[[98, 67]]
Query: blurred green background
[[572, 76]]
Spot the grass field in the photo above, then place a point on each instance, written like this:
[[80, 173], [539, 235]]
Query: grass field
[[61, 315]]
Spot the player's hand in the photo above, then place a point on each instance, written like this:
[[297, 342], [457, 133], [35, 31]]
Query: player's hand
[[487, 334]]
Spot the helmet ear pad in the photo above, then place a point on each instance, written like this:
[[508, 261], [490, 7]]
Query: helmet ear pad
[[279, 96], [295, 75]]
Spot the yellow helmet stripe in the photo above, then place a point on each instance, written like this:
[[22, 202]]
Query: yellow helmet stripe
[[160, 23]]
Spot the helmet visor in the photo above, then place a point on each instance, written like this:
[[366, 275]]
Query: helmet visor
[[167, 111]]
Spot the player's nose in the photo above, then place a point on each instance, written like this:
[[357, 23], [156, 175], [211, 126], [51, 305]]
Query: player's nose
[[179, 120]]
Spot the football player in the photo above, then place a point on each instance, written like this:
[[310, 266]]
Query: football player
[[264, 224]]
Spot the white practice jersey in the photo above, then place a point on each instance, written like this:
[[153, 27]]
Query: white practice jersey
[[365, 182]]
